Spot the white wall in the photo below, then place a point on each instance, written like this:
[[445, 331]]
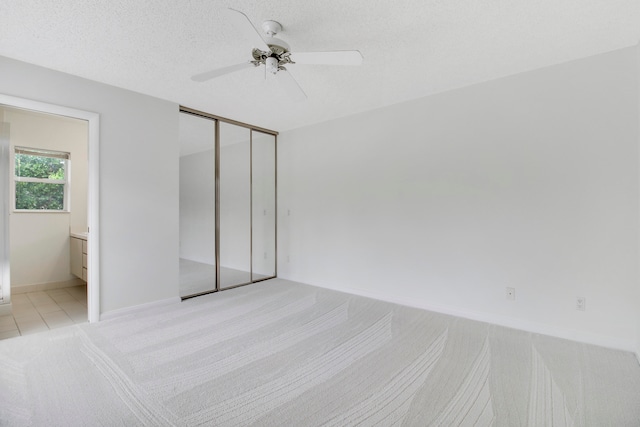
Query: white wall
[[529, 181], [40, 241], [138, 180], [197, 207]]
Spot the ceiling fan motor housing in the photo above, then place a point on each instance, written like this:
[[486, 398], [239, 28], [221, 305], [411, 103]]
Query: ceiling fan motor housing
[[277, 46]]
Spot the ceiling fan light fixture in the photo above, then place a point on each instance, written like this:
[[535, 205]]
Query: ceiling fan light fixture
[[272, 64]]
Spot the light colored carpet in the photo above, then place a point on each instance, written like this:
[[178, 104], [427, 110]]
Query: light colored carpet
[[197, 277], [283, 354]]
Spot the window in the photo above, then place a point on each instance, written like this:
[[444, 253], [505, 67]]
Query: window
[[41, 180]]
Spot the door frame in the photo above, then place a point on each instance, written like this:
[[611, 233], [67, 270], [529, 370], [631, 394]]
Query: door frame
[[93, 222]]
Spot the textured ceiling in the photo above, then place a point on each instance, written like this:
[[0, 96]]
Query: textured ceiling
[[411, 48]]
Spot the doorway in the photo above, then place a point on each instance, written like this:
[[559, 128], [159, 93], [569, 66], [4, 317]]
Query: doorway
[[84, 227]]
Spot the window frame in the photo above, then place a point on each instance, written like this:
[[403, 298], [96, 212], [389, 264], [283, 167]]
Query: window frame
[[66, 183]]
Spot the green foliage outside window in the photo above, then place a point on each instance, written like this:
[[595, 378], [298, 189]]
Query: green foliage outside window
[[30, 166], [39, 195]]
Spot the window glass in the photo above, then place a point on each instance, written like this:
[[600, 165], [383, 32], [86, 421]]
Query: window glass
[[33, 166], [39, 196], [41, 180]]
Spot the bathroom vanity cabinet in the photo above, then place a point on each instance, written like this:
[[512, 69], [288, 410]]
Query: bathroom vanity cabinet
[[78, 246]]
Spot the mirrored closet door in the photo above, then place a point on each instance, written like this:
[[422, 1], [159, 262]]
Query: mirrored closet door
[[197, 205], [227, 204], [235, 205], [263, 201]]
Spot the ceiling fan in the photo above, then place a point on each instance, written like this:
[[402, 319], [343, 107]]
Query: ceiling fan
[[275, 53]]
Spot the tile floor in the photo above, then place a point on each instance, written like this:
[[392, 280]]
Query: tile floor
[[40, 311]]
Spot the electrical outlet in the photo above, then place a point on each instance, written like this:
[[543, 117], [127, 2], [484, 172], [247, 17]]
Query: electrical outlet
[[581, 303], [288, 258], [511, 294]]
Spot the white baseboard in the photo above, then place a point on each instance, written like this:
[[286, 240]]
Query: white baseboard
[[37, 287], [133, 309], [509, 322], [6, 308]]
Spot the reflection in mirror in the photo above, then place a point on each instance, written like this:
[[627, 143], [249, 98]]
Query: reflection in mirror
[[235, 205], [263, 165], [197, 205]]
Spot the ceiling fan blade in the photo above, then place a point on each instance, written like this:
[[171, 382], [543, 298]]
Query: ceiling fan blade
[[336, 57], [290, 85], [208, 75], [243, 22]]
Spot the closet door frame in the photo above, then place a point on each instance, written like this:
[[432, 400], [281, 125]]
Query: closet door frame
[[217, 120]]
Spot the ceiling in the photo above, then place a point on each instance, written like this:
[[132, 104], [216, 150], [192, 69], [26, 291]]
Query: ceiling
[[411, 48]]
